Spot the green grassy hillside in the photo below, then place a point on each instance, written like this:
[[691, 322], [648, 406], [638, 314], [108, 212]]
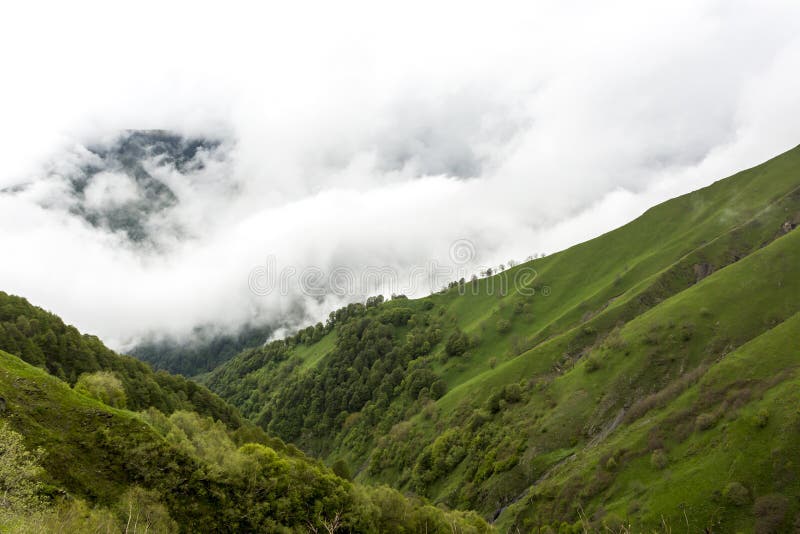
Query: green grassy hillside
[[42, 339], [646, 378], [70, 463]]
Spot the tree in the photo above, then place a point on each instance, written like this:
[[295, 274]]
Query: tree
[[341, 469], [103, 386], [457, 344], [438, 389], [141, 511], [20, 488]]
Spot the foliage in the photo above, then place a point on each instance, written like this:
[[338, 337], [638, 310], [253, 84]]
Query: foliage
[[683, 319], [203, 351], [771, 513], [457, 344], [736, 494], [20, 472], [149, 472], [103, 386], [42, 339], [406, 393]]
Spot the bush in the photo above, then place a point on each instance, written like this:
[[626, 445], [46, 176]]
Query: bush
[[705, 421], [512, 393], [438, 389], [761, 418], [770, 511], [341, 469], [20, 473], [736, 494], [592, 364], [457, 344], [103, 386], [141, 511], [659, 459], [503, 326]]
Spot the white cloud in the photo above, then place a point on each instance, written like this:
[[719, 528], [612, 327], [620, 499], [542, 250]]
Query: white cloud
[[109, 189], [370, 136]]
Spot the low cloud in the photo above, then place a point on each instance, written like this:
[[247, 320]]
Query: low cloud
[[358, 139]]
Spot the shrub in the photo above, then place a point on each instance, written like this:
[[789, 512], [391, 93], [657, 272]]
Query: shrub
[[614, 523], [770, 511], [141, 511], [655, 440], [705, 421], [20, 473], [659, 459], [429, 410], [614, 341], [687, 331], [761, 418], [503, 326], [438, 389], [103, 386], [736, 494], [512, 393], [456, 344], [341, 469], [592, 364]]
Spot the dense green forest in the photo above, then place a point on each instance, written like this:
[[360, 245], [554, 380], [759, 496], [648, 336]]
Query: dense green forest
[[644, 380], [205, 350]]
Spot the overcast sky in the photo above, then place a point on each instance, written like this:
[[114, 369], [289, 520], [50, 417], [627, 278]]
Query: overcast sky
[[356, 135]]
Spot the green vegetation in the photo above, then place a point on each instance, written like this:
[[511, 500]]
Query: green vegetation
[[646, 379], [206, 349], [69, 461], [42, 339]]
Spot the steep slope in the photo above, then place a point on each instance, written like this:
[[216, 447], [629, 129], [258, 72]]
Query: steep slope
[[42, 339], [490, 392], [719, 448], [143, 472], [204, 351]]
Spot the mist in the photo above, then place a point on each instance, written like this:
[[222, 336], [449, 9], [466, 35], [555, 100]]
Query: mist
[[349, 139]]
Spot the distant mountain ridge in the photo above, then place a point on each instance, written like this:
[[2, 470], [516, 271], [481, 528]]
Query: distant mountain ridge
[[205, 349]]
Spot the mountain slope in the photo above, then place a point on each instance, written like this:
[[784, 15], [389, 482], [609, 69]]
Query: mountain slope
[[502, 390], [143, 472], [42, 339], [205, 350]]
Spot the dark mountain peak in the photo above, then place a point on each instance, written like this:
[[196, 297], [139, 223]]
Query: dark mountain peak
[[127, 185]]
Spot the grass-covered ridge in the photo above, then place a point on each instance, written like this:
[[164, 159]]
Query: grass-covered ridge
[[571, 405]]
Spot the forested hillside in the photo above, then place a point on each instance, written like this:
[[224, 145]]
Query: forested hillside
[[203, 351], [71, 463], [42, 339], [646, 379]]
